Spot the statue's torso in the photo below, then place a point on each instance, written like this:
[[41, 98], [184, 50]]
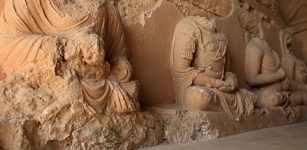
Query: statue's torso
[[210, 56], [270, 63]]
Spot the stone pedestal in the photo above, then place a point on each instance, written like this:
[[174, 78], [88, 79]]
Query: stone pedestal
[[183, 126]]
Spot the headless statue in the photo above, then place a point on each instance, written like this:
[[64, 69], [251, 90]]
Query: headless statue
[[263, 70], [198, 60], [89, 41]]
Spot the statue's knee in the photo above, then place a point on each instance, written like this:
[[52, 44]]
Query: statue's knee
[[198, 98], [276, 100]]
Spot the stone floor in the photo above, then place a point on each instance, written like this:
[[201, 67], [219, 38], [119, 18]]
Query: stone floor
[[291, 137]]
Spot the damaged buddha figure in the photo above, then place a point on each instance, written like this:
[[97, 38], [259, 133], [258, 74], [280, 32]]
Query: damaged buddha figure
[[268, 79], [67, 77], [92, 41], [198, 65]]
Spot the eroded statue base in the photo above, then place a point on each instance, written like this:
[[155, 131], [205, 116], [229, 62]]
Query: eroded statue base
[[183, 126], [34, 117]]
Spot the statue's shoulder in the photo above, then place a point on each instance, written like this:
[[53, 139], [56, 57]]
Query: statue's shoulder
[[188, 27], [255, 47]]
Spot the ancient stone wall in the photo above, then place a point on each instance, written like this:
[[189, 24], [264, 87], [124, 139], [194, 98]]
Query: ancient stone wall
[[104, 81]]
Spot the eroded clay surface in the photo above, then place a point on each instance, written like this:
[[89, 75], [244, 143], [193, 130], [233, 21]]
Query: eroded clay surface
[[67, 79]]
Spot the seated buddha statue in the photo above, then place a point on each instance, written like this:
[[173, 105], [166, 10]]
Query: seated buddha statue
[[89, 41], [263, 70], [264, 73], [198, 65]]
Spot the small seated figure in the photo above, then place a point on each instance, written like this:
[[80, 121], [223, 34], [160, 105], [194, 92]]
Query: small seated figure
[[263, 70], [89, 41], [197, 61], [296, 69]]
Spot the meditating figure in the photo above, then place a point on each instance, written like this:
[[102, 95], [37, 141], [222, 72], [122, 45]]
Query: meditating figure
[[89, 39], [198, 60], [263, 71]]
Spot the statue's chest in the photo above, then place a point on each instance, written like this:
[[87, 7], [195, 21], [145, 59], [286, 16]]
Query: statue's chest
[[211, 59], [270, 61]]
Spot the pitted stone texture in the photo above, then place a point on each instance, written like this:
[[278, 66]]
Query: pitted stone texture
[[183, 126], [32, 117], [133, 11], [272, 5], [278, 138], [220, 8]]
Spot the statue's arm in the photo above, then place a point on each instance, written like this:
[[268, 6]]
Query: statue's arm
[[253, 62], [203, 79]]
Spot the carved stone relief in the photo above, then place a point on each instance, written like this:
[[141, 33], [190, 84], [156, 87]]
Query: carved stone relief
[[105, 74]]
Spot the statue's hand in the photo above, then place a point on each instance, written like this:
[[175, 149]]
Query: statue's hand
[[227, 87], [121, 70], [231, 81], [230, 84]]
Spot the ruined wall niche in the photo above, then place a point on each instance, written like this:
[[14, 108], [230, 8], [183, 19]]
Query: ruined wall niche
[[149, 34], [50, 108]]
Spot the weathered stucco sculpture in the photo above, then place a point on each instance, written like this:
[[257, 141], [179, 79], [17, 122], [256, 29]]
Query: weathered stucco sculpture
[[67, 62], [295, 68], [265, 74], [66, 82], [262, 69], [93, 46], [198, 65]]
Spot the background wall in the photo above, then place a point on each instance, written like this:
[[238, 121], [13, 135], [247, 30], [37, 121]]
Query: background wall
[[149, 43]]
